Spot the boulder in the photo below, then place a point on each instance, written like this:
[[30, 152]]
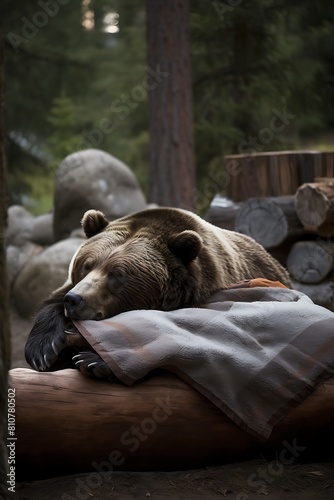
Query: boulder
[[18, 257], [42, 230], [78, 233], [19, 227], [93, 179], [13, 267], [43, 274]]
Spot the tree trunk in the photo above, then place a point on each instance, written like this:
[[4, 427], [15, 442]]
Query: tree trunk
[[311, 261], [270, 221], [4, 302], [315, 206], [277, 173], [77, 424], [172, 164]]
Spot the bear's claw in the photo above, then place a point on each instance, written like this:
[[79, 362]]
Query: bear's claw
[[42, 355], [92, 365], [35, 365], [77, 363], [54, 349], [47, 362], [71, 330]]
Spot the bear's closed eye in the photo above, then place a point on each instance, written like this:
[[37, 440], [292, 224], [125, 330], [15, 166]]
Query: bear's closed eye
[[116, 280], [87, 267]]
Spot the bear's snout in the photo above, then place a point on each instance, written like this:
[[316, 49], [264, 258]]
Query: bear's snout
[[76, 307], [73, 303]]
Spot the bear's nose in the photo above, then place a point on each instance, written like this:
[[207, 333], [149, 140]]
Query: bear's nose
[[72, 303]]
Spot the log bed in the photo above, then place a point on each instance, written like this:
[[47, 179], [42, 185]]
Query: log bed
[[66, 423]]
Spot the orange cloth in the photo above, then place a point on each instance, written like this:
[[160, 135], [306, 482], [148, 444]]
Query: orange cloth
[[262, 282], [265, 282]]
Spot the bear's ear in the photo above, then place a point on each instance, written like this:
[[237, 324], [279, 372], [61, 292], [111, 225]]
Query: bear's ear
[[93, 222], [186, 245]]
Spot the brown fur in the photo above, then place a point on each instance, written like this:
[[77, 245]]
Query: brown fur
[[162, 258]]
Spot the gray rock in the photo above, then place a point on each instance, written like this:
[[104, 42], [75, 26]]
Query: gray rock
[[42, 230], [93, 179], [13, 267], [18, 257], [78, 233], [42, 275], [19, 227]]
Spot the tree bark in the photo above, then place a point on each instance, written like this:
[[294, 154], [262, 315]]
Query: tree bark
[[277, 173], [77, 424], [270, 221], [4, 302], [311, 261], [172, 163], [315, 206]]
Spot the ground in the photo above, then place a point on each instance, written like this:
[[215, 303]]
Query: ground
[[251, 480], [241, 481]]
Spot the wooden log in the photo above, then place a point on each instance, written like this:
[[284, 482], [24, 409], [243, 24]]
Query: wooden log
[[281, 252], [67, 423], [311, 261], [270, 221], [277, 173], [222, 212], [321, 293], [327, 165], [315, 206]]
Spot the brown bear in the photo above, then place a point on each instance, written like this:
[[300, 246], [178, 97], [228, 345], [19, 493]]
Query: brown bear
[[163, 258]]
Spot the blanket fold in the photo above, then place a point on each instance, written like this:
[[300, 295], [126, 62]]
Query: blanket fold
[[254, 351]]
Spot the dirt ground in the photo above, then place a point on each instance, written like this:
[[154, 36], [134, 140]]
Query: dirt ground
[[251, 480]]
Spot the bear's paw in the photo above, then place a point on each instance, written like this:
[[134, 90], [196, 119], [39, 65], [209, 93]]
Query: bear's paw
[[92, 365]]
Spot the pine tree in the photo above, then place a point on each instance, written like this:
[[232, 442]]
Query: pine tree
[[64, 139]]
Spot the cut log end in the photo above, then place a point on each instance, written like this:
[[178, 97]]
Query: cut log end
[[311, 261], [262, 220], [312, 206]]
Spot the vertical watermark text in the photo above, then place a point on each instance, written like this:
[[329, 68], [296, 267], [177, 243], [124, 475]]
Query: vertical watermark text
[[11, 440]]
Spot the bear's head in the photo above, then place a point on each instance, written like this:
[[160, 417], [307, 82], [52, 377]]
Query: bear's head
[[126, 265]]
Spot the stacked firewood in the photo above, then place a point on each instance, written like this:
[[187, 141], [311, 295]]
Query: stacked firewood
[[296, 229]]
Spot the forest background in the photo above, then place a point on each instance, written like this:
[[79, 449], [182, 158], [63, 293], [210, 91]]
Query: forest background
[[71, 74]]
